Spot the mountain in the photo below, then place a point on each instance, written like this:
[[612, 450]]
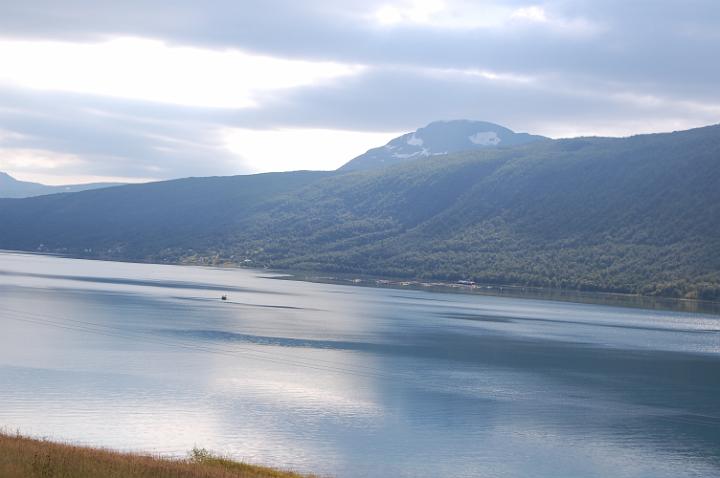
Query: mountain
[[440, 138], [142, 221], [12, 188], [636, 215]]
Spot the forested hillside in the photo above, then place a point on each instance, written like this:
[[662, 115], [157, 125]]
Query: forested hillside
[[144, 221], [639, 214]]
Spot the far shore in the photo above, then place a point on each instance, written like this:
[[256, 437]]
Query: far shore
[[600, 297], [515, 291]]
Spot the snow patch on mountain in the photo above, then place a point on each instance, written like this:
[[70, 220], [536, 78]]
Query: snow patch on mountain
[[422, 153], [415, 141], [485, 138], [440, 138]]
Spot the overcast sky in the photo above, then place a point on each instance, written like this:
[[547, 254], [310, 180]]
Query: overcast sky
[[138, 90]]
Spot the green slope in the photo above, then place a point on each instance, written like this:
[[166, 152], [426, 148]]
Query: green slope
[[163, 220], [638, 214]]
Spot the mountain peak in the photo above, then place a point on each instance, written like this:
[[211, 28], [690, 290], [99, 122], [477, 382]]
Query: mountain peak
[[14, 188], [440, 138]]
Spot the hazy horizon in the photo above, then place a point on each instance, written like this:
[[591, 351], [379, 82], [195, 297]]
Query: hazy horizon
[[54, 181]]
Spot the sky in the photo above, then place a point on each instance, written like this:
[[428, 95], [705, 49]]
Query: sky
[[96, 90]]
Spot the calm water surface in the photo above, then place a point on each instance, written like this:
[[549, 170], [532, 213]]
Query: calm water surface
[[351, 382]]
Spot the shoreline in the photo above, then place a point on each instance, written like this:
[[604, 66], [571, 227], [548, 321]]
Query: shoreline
[[619, 299], [26, 457], [647, 302]]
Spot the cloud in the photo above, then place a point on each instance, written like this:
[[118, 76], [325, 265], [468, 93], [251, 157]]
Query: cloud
[[150, 70], [276, 149], [138, 89], [418, 11], [659, 45], [384, 100], [111, 138], [533, 14], [61, 138], [311, 127]]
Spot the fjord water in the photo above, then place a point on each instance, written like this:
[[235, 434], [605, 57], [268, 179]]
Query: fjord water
[[350, 381]]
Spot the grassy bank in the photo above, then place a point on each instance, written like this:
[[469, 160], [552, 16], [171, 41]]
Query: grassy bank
[[22, 457]]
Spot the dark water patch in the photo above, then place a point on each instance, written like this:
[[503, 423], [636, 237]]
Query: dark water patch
[[424, 299], [477, 317], [649, 377], [538, 354], [244, 304], [144, 283], [622, 326], [225, 336], [501, 319]]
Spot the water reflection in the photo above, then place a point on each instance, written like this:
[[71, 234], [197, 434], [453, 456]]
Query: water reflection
[[354, 381]]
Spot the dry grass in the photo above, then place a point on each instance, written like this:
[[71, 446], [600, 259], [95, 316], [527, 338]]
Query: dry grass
[[22, 457]]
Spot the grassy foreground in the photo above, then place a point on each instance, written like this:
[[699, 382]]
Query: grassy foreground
[[22, 457]]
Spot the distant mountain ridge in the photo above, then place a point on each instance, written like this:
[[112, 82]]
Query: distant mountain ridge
[[634, 215], [440, 138], [13, 188]]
